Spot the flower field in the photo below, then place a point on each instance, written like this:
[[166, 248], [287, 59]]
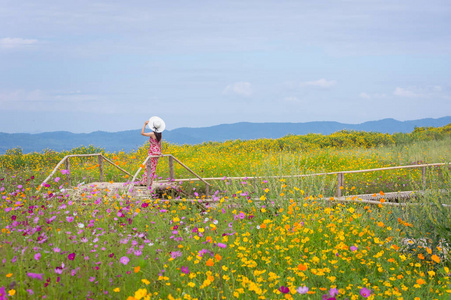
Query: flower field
[[271, 238]]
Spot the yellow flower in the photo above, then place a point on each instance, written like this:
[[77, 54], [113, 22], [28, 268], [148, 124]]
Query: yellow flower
[[145, 281], [9, 275], [140, 293], [12, 292], [117, 290]]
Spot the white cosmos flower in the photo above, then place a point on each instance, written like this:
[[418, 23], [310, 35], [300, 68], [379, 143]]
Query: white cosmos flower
[[81, 225]]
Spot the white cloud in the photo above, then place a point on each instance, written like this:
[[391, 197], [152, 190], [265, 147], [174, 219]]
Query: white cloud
[[371, 96], [10, 43], [241, 88], [365, 96], [320, 83], [401, 92]]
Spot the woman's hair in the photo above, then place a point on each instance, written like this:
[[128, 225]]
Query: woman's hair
[[158, 136]]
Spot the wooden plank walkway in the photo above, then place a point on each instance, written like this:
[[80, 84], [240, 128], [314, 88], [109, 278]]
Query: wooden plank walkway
[[391, 198]]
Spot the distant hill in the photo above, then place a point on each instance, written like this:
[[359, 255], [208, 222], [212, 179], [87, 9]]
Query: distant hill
[[132, 139]]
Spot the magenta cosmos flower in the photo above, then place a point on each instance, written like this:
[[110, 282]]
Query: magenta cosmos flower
[[184, 270], [284, 289], [365, 292], [71, 256]]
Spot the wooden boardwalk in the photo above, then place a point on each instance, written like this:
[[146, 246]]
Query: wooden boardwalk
[[172, 185], [142, 192]]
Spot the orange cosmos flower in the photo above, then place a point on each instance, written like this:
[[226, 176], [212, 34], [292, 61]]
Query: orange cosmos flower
[[210, 262], [435, 258]]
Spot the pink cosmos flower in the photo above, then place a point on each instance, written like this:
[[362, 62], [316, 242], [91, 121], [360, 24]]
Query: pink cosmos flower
[[221, 245], [184, 270], [124, 260], [302, 290], [353, 248], [37, 256], [35, 276], [333, 292], [69, 219]]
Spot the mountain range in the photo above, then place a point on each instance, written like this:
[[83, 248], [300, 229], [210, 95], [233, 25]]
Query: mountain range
[[132, 139]]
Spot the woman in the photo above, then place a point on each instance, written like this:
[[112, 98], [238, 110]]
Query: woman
[[157, 126]]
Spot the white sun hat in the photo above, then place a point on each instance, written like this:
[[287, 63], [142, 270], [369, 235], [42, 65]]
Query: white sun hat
[[156, 124]]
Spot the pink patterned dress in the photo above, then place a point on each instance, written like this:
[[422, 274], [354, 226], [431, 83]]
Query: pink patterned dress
[[154, 149]]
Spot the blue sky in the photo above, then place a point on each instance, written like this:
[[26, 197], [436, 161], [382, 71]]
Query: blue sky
[[84, 66]]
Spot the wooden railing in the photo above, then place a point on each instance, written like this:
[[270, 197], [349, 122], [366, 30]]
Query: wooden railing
[[171, 159], [66, 160], [340, 174]]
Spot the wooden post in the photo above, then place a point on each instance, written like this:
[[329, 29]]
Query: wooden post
[[100, 160], [149, 172], [207, 190], [255, 186], [423, 173], [67, 163], [340, 182], [171, 168]]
